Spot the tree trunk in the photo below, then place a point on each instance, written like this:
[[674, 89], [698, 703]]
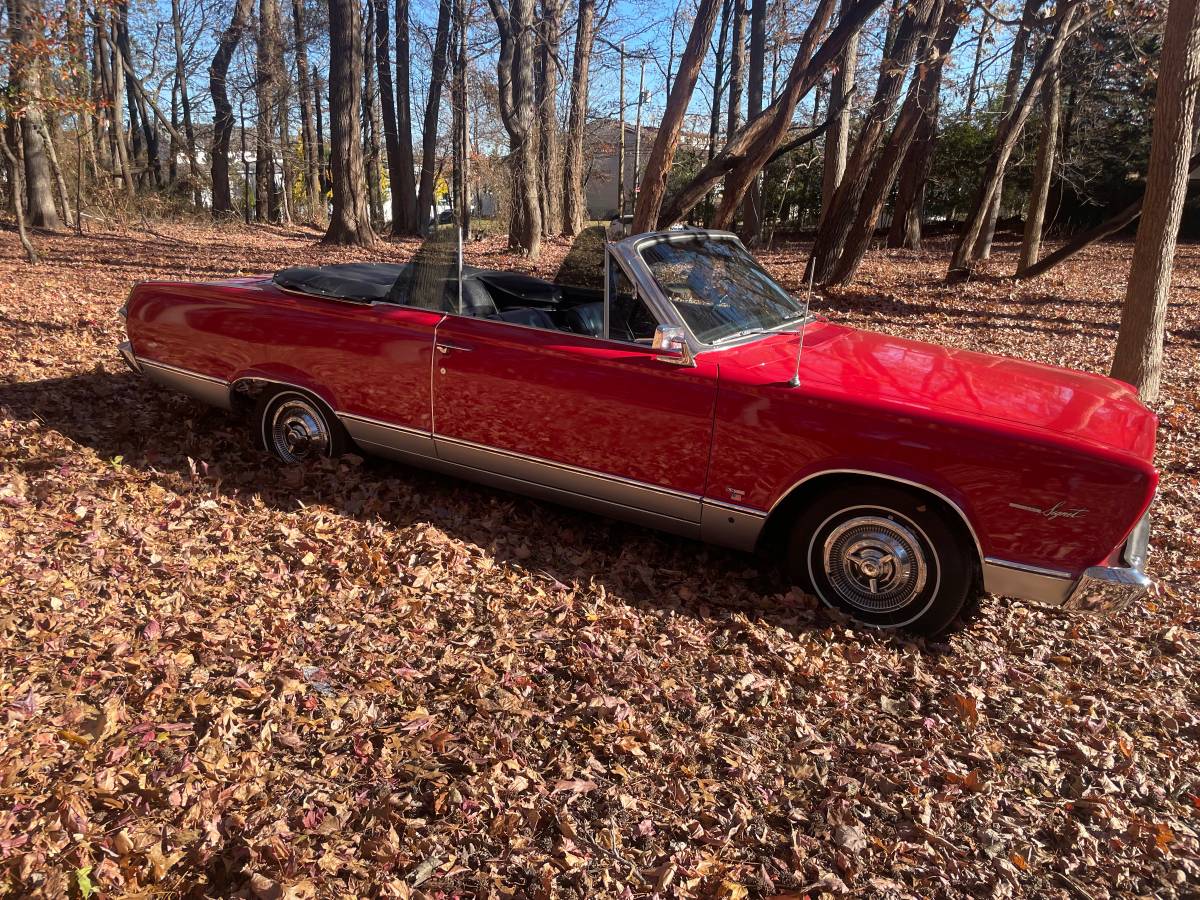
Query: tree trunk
[[976, 66], [1139, 354], [752, 207], [923, 93], [380, 52], [550, 155], [514, 70], [372, 126], [218, 73], [267, 94], [759, 139], [462, 168], [658, 166], [963, 260], [404, 181], [115, 87], [308, 129], [917, 21], [26, 79], [1016, 68], [1043, 172], [905, 230], [714, 118], [433, 103], [837, 139], [186, 105], [737, 68], [16, 187], [319, 100], [575, 212], [350, 223]]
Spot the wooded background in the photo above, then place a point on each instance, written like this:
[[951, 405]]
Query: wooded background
[[855, 122]]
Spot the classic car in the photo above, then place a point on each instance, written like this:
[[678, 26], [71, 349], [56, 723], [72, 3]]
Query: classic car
[[683, 388]]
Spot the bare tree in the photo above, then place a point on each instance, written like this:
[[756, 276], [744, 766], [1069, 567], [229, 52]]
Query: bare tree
[[371, 124], [549, 152], [837, 139], [662, 154], [16, 186], [267, 66], [25, 74], [751, 209], [574, 202], [514, 70], [923, 91], [308, 129], [756, 143], [350, 223], [218, 73], [1139, 354], [1016, 68], [185, 102], [1039, 191], [737, 67], [916, 22], [963, 260], [403, 175], [437, 79]]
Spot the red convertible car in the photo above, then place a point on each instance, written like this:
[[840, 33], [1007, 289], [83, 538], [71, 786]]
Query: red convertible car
[[686, 390]]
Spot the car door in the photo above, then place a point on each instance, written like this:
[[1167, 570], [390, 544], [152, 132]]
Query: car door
[[591, 417]]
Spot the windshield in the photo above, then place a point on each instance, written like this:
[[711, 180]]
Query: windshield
[[719, 289]]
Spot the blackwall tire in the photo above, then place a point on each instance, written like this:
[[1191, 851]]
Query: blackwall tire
[[294, 427], [888, 557]]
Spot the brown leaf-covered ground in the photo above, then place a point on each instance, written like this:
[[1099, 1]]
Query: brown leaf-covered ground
[[219, 677]]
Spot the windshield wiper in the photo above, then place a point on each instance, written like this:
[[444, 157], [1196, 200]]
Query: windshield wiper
[[774, 329]]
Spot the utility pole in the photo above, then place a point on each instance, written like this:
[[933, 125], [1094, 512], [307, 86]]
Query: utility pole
[[637, 137], [621, 141]]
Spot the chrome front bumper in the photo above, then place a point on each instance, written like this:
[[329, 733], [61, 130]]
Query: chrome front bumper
[[1101, 589], [1107, 589]]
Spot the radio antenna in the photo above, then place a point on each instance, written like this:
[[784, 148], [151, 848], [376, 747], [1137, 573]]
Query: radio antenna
[[795, 382]]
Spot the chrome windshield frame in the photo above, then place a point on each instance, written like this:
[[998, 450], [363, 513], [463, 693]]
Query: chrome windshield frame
[[629, 252]]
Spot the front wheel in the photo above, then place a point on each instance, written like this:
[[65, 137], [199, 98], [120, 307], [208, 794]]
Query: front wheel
[[888, 557], [294, 428]]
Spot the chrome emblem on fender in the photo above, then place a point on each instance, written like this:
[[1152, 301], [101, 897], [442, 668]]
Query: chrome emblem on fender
[[1058, 511]]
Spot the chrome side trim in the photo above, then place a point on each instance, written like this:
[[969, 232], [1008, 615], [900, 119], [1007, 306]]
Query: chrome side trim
[[954, 506], [730, 525], [610, 489], [386, 439], [1012, 579], [205, 388]]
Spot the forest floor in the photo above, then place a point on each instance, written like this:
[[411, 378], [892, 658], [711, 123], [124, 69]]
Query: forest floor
[[218, 676]]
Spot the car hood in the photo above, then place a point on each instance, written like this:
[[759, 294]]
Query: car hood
[[869, 365]]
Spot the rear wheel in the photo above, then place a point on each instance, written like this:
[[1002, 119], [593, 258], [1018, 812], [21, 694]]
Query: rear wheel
[[293, 427], [888, 557]]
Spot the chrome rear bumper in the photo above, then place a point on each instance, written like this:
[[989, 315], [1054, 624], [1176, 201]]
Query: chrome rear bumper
[[126, 351]]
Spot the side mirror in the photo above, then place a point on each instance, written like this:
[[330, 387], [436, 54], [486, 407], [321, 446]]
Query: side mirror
[[671, 342]]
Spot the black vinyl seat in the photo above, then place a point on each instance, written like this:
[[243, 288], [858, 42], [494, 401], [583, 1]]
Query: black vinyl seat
[[587, 318], [534, 318]]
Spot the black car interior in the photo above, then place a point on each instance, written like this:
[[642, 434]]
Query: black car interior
[[486, 294]]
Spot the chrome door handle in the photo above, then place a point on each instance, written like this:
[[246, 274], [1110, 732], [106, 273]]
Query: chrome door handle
[[443, 347]]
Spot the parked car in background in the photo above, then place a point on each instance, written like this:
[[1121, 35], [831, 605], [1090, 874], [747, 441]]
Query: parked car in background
[[684, 389]]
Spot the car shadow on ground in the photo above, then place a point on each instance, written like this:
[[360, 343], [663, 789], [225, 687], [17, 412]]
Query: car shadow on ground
[[188, 448]]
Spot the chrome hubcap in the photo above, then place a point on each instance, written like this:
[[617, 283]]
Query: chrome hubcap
[[874, 564], [298, 432]]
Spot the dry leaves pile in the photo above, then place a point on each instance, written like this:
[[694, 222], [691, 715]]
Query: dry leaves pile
[[219, 677]]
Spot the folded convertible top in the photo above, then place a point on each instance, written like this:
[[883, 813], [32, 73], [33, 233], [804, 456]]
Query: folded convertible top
[[390, 282], [365, 282]]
